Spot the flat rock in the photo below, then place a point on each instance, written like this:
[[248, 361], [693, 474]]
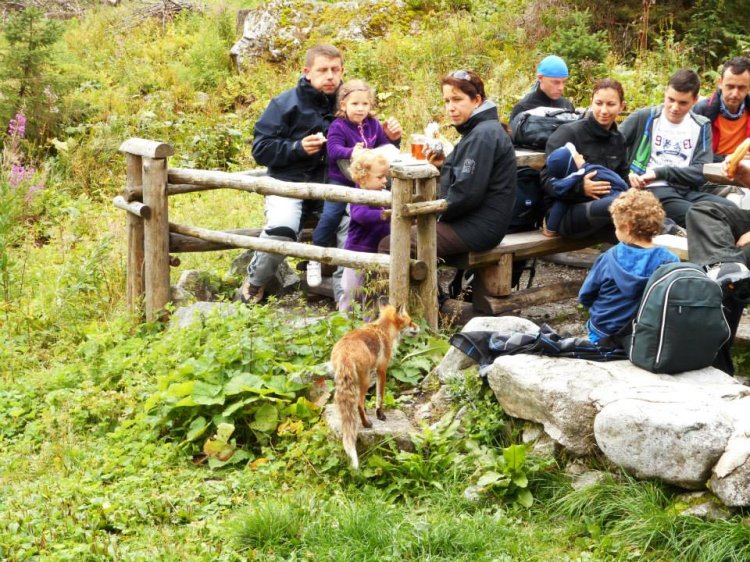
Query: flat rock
[[456, 361], [186, 315], [683, 429], [396, 427]]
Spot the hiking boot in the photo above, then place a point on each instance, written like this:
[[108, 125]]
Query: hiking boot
[[733, 278], [547, 232], [249, 293], [672, 228], [314, 274]]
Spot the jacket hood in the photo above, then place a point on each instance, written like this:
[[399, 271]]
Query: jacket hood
[[631, 265], [487, 111]]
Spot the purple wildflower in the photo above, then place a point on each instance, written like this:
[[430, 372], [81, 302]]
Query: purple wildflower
[[19, 173], [31, 191], [17, 126]]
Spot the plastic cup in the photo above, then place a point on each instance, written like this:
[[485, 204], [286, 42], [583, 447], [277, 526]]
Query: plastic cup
[[417, 146]]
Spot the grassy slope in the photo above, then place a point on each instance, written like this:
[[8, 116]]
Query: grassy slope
[[83, 476]]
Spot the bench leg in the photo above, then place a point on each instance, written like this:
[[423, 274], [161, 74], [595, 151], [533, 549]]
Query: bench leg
[[492, 281]]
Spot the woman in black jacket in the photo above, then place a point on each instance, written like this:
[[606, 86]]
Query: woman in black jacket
[[478, 179], [596, 137]]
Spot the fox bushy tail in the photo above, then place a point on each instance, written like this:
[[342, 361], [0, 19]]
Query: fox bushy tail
[[347, 395]]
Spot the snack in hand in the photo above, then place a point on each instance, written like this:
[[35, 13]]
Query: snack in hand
[[737, 155], [321, 136]]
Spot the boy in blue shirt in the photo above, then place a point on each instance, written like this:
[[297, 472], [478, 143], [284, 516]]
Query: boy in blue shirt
[[613, 288]]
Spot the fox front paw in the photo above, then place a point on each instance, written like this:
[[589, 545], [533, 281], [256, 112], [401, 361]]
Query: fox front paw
[[380, 415], [366, 423]]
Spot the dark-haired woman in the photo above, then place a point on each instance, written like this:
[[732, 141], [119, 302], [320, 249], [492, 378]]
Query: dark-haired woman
[[595, 137], [478, 179]]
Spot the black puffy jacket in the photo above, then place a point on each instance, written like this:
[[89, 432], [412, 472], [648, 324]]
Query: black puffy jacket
[[478, 179], [290, 117]]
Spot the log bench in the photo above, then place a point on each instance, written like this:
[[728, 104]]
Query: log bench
[[491, 288]]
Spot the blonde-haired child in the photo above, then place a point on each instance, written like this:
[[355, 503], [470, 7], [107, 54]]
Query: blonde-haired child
[[355, 128], [367, 226], [614, 286]]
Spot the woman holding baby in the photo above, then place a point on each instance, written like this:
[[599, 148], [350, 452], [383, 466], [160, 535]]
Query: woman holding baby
[[585, 201]]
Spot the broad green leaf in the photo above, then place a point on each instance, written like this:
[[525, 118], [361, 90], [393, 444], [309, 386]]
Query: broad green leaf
[[224, 431], [207, 394], [245, 382], [266, 418], [180, 389], [489, 478], [520, 480], [515, 457], [525, 498], [231, 409], [197, 428]]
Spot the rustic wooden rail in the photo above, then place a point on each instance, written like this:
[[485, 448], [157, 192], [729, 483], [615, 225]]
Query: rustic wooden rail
[[151, 236]]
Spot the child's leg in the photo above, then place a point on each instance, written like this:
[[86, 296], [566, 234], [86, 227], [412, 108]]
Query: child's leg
[[352, 282], [554, 216], [325, 231]]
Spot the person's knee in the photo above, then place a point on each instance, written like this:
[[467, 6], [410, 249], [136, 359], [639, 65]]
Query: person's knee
[[281, 232]]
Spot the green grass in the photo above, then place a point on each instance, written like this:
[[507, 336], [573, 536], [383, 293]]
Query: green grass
[[88, 472]]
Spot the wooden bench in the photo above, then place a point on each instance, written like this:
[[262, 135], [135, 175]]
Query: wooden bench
[[491, 288]]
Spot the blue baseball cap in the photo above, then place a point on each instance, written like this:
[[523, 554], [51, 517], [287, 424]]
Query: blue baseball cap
[[553, 67]]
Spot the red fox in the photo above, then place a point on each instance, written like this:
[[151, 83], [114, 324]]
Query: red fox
[[358, 353]]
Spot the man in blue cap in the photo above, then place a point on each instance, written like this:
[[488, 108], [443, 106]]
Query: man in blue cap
[[551, 75]]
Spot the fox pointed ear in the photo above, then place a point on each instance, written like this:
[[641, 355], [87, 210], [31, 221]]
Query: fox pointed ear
[[402, 310]]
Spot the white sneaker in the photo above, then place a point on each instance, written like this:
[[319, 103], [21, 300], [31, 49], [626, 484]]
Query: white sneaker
[[314, 276]]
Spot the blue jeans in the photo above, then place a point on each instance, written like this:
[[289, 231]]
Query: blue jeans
[[328, 223]]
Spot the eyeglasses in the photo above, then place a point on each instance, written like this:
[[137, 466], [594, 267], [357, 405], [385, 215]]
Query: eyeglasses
[[461, 75]]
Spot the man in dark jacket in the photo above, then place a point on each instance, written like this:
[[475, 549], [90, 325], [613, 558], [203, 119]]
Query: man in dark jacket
[[547, 91], [289, 138], [728, 108]]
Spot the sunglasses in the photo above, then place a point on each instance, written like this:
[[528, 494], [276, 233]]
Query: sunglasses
[[461, 75]]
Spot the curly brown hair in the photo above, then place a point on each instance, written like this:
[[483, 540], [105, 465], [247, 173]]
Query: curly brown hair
[[354, 86], [640, 212], [362, 165]]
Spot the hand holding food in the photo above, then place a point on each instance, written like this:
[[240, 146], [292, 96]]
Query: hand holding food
[[734, 160]]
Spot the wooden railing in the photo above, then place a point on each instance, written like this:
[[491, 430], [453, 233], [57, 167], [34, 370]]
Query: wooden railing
[[151, 237]]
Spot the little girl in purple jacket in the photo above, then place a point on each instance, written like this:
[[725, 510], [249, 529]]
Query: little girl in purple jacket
[[354, 129], [367, 226]]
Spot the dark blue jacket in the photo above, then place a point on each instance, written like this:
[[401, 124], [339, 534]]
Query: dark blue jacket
[[563, 187], [613, 288], [290, 117]]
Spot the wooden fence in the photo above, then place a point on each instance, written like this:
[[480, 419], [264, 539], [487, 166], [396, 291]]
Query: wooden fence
[[151, 237]]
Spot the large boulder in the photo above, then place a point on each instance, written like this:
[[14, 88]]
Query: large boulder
[[276, 30], [683, 429]]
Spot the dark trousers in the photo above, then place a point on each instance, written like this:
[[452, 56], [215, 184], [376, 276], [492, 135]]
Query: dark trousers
[[713, 230], [585, 219], [677, 201]]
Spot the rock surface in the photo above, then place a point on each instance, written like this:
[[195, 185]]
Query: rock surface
[[277, 29], [396, 427], [683, 429]]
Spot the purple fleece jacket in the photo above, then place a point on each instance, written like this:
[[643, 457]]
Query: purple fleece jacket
[[366, 228], [343, 135]]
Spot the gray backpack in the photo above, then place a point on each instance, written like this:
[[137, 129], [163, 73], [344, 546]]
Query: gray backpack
[[680, 323]]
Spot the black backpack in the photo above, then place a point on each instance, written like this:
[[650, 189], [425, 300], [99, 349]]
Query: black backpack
[[680, 323], [532, 128], [528, 210]]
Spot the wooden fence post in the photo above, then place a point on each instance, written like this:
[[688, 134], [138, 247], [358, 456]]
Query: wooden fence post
[[148, 254], [427, 252], [398, 286], [135, 283], [156, 236]]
